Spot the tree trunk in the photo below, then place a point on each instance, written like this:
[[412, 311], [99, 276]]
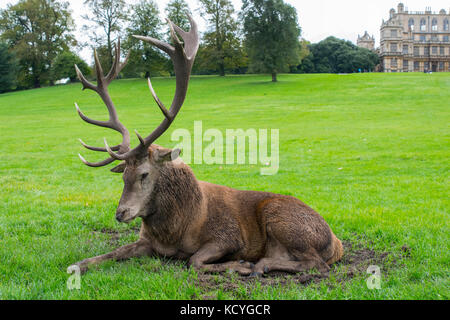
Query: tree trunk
[[274, 77], [37, 82], [222, 69]]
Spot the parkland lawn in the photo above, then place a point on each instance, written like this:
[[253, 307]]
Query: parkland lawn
[[369, 152]]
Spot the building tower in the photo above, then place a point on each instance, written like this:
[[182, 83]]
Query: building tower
[[366, 41], [415, 41]]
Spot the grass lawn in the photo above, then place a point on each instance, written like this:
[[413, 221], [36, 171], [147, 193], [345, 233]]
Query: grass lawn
[[370, 152]]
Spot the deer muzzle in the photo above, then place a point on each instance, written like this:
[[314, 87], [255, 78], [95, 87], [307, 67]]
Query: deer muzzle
[[121, 214]]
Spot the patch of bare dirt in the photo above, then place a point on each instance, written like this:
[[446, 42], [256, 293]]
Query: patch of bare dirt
[[115, 235]]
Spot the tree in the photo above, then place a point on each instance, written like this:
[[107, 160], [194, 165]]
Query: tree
[[334, 55], [176, 11], [8, 69], [303, 53], [63, 66], [109, 16], [221, 42], [144, 21], [36, 31], [271, 35]]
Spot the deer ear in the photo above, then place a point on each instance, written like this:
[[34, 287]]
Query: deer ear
[[119, 168], [164, 154]]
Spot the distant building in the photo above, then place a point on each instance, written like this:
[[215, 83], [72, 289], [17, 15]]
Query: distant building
[[366, 41], [415, 41]]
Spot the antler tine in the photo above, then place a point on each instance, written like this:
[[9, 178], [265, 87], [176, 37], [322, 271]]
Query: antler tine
[[141, 140], [105, 124], [117, 66], [190, 38], [86, 84], [112, 153], [173, 34], [158, 102], [96, 164], [180, 31], [167, 48], [98, 70], [115, 148]]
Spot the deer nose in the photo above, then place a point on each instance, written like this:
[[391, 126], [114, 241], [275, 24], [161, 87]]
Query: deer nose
[[120, 213]]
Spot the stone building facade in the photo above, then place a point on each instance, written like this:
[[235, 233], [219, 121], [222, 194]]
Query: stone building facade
[[366, 41], [415, 41]]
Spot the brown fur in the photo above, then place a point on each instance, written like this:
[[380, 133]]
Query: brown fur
[[217, 228]]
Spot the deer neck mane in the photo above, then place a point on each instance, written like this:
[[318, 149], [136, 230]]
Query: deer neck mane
[[176, 197]]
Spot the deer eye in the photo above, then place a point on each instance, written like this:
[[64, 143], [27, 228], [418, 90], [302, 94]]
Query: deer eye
[[144, 175]]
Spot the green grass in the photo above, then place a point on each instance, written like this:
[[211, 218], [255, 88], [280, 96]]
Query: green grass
[[369, 152]]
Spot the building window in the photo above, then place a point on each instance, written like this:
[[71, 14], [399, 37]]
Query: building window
[[416, 51], [423, 38], [434, 50], [426, 66], [393, 33], [405, 49], [411, 24], [423, 25], [416, 66], [405, 64], [434, 38], [441, 65], [393, 47], [446, 27], [445, 39], [394, 62], [434, 24], [426, 51], [441, 51]]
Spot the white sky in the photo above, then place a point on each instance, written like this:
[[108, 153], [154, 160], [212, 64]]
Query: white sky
[[318, 19]]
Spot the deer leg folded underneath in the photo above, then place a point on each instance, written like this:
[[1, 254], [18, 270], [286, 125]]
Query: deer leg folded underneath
[[203, 260], [267, 265], [136, 249]]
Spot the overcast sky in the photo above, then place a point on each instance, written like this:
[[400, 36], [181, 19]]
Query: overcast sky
[[318, 19]]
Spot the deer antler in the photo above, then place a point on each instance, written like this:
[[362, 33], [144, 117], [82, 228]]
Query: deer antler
[[102, 89], [183, 59]]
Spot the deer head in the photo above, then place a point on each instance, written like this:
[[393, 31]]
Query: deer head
[[141, 166]]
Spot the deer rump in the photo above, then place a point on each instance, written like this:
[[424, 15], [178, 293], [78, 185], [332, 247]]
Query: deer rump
[[215, 228]]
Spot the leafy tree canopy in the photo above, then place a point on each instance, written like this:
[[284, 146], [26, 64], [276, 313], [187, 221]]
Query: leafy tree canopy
[[36, 31], [271, 35], [221, 46], [144, 58], [334, 55], [63, 66], [8, 69]]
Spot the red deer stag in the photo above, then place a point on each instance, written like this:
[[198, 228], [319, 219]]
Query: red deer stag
[[214, 227]]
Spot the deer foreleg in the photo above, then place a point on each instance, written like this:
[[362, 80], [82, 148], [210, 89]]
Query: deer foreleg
[[203, 260], [136, 249]]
